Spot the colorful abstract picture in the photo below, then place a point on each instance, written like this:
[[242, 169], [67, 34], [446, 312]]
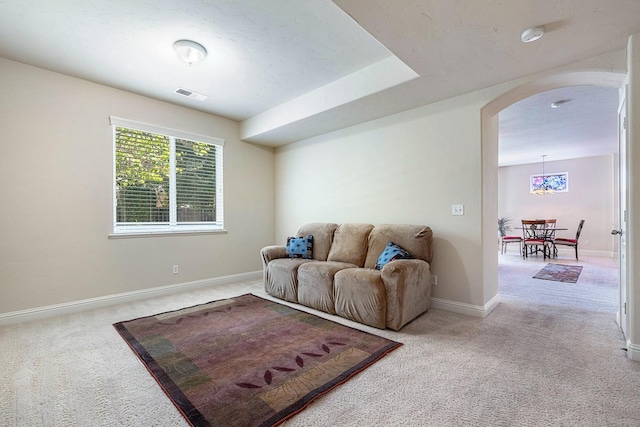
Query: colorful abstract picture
[[558, 182]]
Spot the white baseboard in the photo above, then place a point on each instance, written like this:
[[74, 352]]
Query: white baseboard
[[468, 309], [570, 252], [633, 351], [92, 303]]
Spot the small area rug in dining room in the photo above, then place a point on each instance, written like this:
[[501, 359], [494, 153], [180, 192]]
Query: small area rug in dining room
[[248, 361], [559, 273]]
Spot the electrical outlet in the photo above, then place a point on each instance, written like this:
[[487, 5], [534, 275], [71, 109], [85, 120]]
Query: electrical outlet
[[434, 280], [457, 209], [587, 242], [175, 269]]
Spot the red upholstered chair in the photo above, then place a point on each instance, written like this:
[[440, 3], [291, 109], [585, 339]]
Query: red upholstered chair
[[503, 228], [549, 235], [550, 227], [569, 242], [533, 237], [505, 240]]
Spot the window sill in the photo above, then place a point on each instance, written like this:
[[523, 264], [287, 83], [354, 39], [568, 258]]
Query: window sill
[[135, 235]]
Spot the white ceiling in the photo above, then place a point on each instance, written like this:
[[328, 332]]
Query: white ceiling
[[292, 69], [586, 125]]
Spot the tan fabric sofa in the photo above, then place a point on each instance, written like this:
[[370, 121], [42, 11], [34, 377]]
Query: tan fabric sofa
[[342, 279]]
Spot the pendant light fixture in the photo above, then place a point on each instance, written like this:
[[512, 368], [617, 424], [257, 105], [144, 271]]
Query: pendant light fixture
[[543, 188]]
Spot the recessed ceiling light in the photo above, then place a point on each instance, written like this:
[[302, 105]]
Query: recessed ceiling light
[[190, 51], [532, 34]]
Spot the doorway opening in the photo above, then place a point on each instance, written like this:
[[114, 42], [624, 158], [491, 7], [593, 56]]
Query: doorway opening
[[490, 147]]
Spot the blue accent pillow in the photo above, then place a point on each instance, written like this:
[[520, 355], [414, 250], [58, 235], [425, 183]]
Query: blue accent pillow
[[300, 247], [391, 252]]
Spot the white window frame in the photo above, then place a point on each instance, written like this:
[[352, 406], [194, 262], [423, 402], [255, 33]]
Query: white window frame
[[148, 229]]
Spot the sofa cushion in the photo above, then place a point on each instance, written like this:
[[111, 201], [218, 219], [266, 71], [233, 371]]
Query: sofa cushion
[[415, 239], [281, 278], [391, 252], [322, 238], [361, 296], [315, 284], [300, 247], [350, 244]]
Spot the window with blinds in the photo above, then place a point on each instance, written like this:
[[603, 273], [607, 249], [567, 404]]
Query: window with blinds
[[165, 180]]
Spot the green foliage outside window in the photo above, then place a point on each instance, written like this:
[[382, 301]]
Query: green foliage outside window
[[143, 178], [195, 181]]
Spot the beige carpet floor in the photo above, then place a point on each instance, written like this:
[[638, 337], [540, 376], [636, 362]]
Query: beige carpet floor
[[550, 354]]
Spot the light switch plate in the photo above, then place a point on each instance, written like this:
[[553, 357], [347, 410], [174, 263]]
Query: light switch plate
[[457, 209]]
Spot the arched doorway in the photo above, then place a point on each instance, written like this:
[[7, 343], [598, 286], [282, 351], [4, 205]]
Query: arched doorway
[[489, 137]]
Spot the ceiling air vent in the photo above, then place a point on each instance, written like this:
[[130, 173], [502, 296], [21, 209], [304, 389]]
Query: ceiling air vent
[[191, 94]]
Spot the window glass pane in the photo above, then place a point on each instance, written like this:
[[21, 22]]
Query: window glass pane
[[165, 183], [142, 177], [195, 181]]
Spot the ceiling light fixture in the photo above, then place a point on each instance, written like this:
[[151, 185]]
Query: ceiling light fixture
[[532, 34], [190, 51], [544, 187], [559, 103]]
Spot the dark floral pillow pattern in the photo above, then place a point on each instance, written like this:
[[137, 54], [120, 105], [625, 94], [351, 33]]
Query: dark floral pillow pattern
[[391, 252], [300, 247]]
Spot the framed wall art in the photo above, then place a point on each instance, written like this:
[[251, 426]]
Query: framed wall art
[[556, 182]]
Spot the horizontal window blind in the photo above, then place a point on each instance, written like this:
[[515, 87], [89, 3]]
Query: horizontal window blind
[[195, 181], [142, 177], [160, 130], [165, 183]]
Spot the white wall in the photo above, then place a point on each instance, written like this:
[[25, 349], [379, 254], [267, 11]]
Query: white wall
[[56, 155], [410, 168], [590, 197], [56, 173]]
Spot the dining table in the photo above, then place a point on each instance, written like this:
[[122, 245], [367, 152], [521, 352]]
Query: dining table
[[547, 234]]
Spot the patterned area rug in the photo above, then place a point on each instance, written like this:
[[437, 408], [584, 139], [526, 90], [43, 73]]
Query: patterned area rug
[[248, 361], [559, 273]]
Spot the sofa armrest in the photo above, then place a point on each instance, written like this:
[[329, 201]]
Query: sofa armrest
[[408, 286], [269, 253]]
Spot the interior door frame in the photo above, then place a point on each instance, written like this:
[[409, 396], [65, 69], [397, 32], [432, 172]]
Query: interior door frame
[[489, 142], [623, 185]]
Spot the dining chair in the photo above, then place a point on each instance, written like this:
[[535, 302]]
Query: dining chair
[[569, 242], [550, 234], [533, 236], [505, 240]]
